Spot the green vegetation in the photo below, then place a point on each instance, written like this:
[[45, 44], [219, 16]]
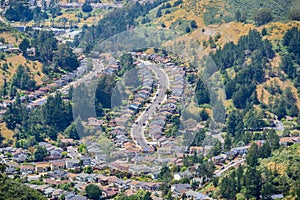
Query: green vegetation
[[93, 192], [244, 11], [32, 126], [14, 190], [260, 180], [115, 22], [18, 11]]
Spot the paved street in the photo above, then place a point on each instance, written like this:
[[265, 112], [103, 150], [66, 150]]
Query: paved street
[[137, 130], [230, 165], [97, 67]]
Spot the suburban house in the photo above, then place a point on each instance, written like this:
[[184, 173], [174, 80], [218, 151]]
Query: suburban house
[[218, 159], [72, 163], [27, 169], [57, 165], [181, 175], [42, 167]]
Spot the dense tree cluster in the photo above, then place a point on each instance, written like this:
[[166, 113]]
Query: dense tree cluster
[[242, 88], [22, 79], [262, 17], [33, 126], [291, 59], [52, 55], [257, 181], [202, 93], [18, 11]]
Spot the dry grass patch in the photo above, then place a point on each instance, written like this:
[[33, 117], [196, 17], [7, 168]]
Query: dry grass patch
[[6, 133], [16, 60]]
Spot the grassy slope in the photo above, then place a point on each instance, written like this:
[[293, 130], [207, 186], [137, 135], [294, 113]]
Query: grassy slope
[[231, 31]]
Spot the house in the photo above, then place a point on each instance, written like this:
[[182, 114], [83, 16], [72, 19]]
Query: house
[[30, 51], [55, 153], [277, 196], [72, 163], [48, 192], [195, 149], [57, 165], [151, 186], [102, 179], [135, 184], [241, 150], [190, 194], [289, 140], [67, 142], [123, 184], [230, 155], [27, 169], [57, 193], [84, 177], [86, 161], [139, 169], [57, 175], [42, 167], [218, 159], [179, 189], [13, 50], [109, 192], [181, 175], [19, 157]]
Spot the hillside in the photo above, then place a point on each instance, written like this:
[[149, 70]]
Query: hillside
[[10, 36], [179, 15]]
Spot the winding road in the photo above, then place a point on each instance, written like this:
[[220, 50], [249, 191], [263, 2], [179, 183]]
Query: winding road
[[97, 68], [137, 130]]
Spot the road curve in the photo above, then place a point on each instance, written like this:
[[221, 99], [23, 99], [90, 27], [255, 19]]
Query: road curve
[[137, 130]]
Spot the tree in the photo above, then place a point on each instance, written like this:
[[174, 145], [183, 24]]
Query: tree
[[158, 13], [217, 149], [168, 92], [294, 14], [187, 29], [65, 58], [253, 155], [93, 192], [238, 16], [86, 7], [18, 11], [40, 153], [24, 45], [273, 139], [88, 170], [228, 187], [199, 137], [194, 24], [262, 17], [202, 93], [234, 124], [22, 79], [264, 31], [252, 183], [45, 44], [227, 142], [71, 132]]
